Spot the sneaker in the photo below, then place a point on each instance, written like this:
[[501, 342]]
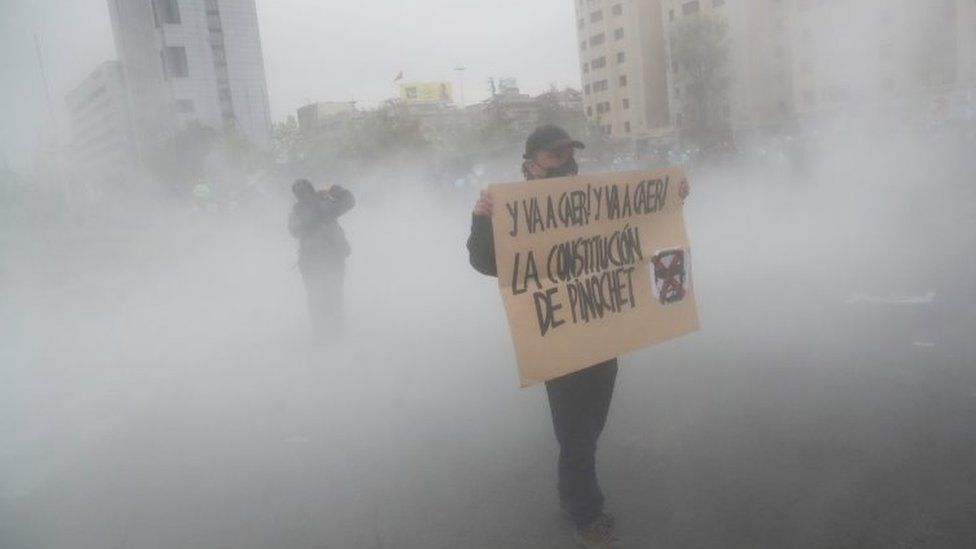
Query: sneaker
[[598, 534], [568, 516]]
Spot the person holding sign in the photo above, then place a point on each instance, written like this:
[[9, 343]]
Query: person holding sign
[[579, 401]]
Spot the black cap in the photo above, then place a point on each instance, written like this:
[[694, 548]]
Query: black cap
[[549, 137]]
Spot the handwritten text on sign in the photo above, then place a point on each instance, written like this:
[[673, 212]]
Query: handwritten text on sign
[[591, 267]]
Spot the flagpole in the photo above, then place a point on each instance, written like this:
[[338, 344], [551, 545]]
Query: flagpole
[[460, 71]]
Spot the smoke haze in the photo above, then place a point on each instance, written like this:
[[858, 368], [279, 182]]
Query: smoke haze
[[159, 387], [161, 390]]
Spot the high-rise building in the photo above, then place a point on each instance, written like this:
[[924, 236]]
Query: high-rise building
[[783, 63], [191, 60], [756, 90], [623, 62], [101, 129], [883, 61]]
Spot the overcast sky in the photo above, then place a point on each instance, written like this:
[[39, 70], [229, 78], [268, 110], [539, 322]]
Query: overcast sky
[[315, 50]]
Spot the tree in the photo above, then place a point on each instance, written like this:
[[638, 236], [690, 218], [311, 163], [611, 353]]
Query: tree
[[182, 159], [701, 50], [199, 154], [384, 133], [286, 140], [241, 156]]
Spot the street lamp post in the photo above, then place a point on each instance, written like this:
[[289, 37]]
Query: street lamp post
[[460, 71]]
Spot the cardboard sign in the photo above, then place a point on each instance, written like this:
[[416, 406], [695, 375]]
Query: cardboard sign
[[592, 267]]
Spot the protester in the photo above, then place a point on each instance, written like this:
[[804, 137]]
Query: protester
[[580, 401], [322, 251]]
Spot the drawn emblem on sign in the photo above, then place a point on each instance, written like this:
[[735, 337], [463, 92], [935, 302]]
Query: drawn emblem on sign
[[670, 276]]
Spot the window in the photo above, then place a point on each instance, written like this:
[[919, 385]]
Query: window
[[618, 34], [589, 111], [599, 62], [174, 62], [166, 12], [718, 3], [677, 92], [617, 9], [600, 86], [622, 80], [671, 16], [586, 89], [674, 67], [579, 24], [689, 8], [809, 98], [184, 106], [214, 24], [596, 16], [586, 68], [621, 57], [597, 39], [626, 127], [583, 45], [626, 103], [678, 120]]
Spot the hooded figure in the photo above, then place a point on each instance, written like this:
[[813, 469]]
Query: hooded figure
[[322, 250]]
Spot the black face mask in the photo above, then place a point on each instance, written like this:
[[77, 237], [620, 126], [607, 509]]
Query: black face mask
[[567, 169]]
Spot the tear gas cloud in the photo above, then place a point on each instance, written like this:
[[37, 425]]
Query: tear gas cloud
[[160, 388]]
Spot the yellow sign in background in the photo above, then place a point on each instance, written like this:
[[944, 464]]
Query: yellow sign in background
[[426, 92], [592, 267]]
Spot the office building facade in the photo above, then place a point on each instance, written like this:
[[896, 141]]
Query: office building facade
[[623, 66], [188, 61], [101, 129]]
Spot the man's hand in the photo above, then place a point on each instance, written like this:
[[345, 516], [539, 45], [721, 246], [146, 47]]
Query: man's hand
[[684, 190], [485, 205]]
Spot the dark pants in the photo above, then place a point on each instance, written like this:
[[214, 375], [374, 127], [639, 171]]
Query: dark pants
[[323, 278], [579, 403]]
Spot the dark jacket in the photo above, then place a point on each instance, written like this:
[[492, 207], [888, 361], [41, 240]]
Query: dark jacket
[[481, 245], [314, 222]]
